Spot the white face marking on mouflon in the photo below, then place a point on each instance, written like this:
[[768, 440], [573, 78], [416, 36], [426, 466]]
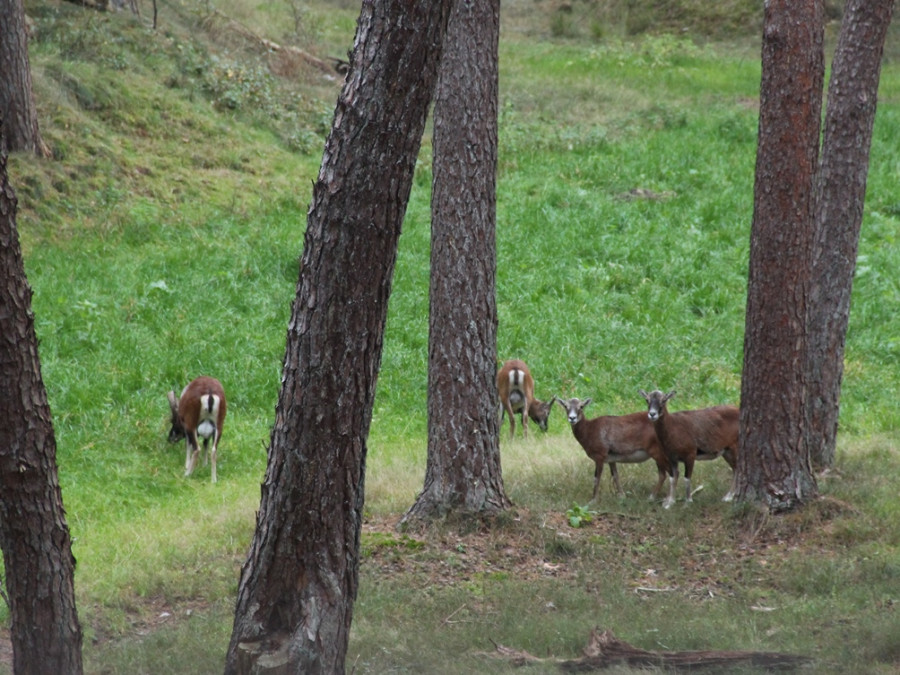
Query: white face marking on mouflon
[[574, 408]]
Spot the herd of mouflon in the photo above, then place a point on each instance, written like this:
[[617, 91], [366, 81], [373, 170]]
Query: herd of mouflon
[[667, 438]]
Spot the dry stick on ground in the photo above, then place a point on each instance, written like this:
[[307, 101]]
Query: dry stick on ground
[[605, 650], [336, 65]]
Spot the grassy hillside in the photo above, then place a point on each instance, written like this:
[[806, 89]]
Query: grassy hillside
[[162, 242]]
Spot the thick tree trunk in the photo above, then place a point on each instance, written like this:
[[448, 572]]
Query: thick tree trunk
[[17, 109], [463, 474], [841, 190], [297, 588], [774, 467], [37, 550]]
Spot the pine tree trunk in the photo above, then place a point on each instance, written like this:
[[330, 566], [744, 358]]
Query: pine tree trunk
[[774, 467], [297, 588], [841, 191], [463, 473], [37, 550], [18, 114]]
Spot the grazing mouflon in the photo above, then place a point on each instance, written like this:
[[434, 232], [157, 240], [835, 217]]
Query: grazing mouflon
[[199, 411], [516, 387]]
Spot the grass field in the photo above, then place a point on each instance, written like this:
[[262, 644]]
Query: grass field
[[162, 242]]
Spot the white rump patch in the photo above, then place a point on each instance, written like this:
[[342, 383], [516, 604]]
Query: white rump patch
[[206, 429], [209, 415]]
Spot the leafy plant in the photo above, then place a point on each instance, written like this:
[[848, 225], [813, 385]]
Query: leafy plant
[[579, 516]]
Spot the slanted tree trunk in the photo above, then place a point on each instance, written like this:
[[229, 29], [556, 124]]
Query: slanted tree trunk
[[17, 106], [463, 474], [774, 467], [37, 549], [841, 189], [298, 585]]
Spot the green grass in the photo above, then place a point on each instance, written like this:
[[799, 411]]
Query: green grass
[[163, 242]]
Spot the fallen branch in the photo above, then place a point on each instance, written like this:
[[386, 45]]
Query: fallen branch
[[449, 619], [619, 514], [330, 65], [99, 5], [516, 657], [110, 5], [605, 650], [644, 193]]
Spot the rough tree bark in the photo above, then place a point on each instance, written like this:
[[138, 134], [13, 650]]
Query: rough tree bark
[[840, 195], [774, 466], [37, 550], [463, 474], [298, 585], [17, 106]]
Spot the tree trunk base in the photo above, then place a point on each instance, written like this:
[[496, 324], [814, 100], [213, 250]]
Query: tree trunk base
[[264, 657], [427, 511]]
